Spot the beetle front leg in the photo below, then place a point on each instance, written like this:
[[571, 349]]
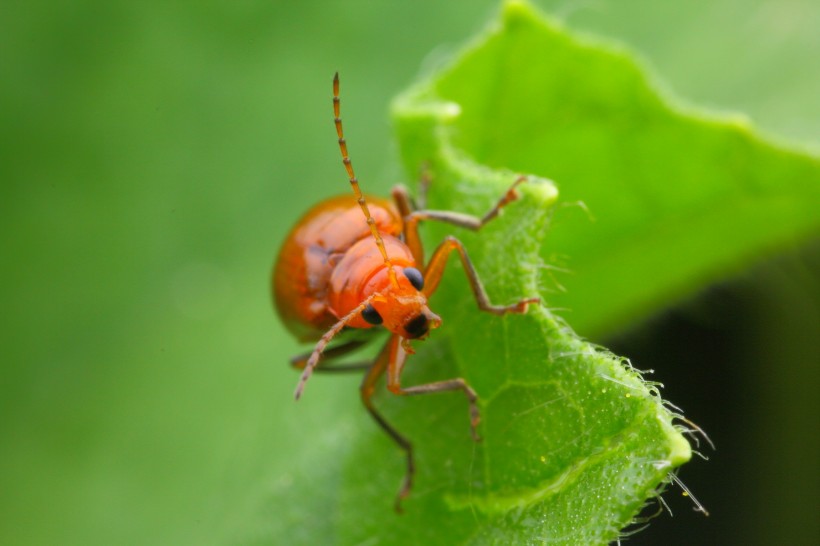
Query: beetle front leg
[[435, 270]]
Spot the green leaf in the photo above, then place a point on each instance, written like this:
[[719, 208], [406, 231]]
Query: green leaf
[[661, 183], [574, 440]]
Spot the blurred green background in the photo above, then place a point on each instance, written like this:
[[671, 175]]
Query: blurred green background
[[152, 158]]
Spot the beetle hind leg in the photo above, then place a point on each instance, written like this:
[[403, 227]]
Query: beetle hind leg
[[328, 364]]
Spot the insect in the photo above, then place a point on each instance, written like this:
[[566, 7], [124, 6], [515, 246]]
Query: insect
[[357, 265]]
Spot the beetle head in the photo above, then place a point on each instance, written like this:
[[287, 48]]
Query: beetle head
[[402, 307]]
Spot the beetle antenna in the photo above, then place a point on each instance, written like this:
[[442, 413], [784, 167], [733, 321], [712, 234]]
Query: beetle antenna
[[354, 182]]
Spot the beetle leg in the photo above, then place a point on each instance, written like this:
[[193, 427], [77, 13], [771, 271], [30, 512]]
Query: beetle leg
[[408, 209], [411, 237], [404, 203], [391, 356], [394, 370], [473, 223], [313, 359], [467, 221], [327, 365], [424, 184], [435, 270]]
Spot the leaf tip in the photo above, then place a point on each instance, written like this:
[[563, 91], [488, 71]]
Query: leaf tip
[[680, 451], [544, 189], [449, 111], [515, 13], [516, 10], [416, 104]]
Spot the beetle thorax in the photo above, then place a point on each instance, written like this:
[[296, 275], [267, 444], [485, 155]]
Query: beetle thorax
[[361, 273]]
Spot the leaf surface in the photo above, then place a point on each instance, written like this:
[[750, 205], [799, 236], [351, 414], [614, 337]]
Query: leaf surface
[[574, 441], [672, 199]]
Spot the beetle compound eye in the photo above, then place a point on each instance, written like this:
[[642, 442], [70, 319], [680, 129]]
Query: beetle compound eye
[[417, 327], [414, 276], [371, 316]]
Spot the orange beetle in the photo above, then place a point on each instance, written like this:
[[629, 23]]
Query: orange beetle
[[337, 271]]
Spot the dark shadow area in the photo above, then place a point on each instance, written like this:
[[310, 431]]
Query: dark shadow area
[[742, 361]]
